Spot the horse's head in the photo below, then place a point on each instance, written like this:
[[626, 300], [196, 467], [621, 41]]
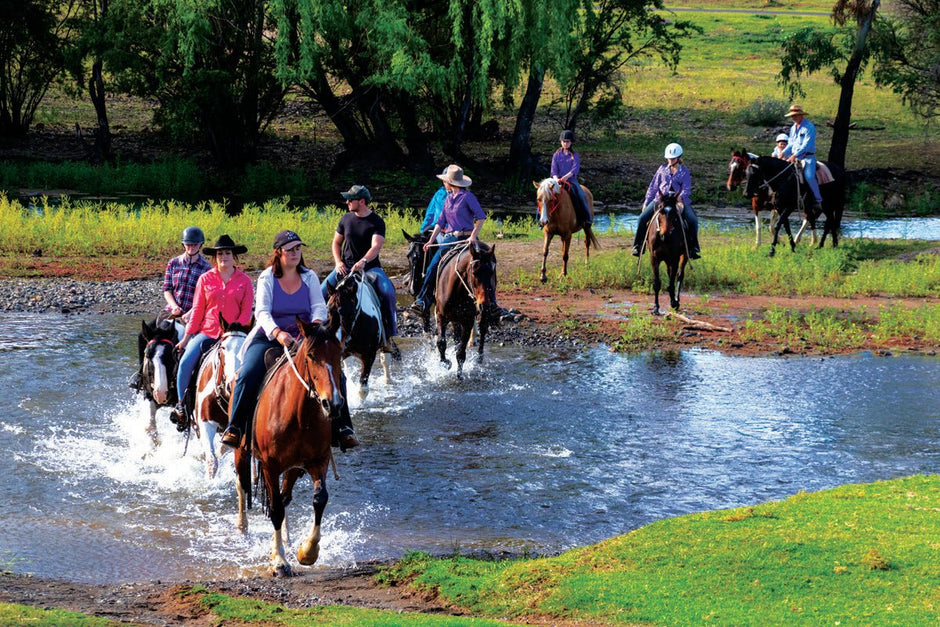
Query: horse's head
[[546, 196], [483, 275], [319, 360], [737, 169], [230, 346], [344, 300], [159, 367], [667, 214], [417, 261]]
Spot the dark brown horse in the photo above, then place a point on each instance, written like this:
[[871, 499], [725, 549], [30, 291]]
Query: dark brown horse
[[558, 217], [214, 387], [466, 288], [418, 260], [666, 242], [158, 374], [292, 433], [360, 312]]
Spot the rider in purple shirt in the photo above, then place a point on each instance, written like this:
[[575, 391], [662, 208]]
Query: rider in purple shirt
[[566, 165], [671, 177], [460, 219]]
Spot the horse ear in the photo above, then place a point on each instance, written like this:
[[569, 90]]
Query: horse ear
[[146, 329], [334, 321], [535, 185], [407, 236], [223, 323]]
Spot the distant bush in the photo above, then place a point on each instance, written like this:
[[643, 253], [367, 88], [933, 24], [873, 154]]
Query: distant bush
[[764, 112]]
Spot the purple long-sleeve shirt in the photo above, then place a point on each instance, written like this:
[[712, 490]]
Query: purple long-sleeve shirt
[[665, 181], [461, 210], [565, 162]]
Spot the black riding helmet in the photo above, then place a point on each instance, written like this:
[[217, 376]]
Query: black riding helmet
[[193, 235], [567, 135]]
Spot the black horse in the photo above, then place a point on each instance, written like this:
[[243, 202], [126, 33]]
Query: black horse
[[158, 374], [417, 260], [789, 192]]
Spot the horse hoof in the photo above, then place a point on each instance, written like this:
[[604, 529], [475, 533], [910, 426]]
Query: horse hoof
[[446, 363], [657, 311], [771, 253], [544, 279], [282, 570], [308, 556]]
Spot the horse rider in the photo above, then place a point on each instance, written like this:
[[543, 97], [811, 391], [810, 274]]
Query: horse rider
[[179, 286], [357, 242], [435, 206], [224, 290], [287, 290], [461, 219], [671, 177], [566, 165], [802, 146], [782, 140]]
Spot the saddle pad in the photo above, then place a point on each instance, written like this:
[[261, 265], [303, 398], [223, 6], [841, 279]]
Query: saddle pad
[[823, 175]]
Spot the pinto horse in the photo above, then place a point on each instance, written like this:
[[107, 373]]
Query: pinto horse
[[466, 288], [214, 387], [360, 312], [761, 201], [666, 242], [292, 433], [558, 217], [789, 191], [158, 374]]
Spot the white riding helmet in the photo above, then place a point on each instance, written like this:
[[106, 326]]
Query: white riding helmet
[[783, 137], [673, 151]]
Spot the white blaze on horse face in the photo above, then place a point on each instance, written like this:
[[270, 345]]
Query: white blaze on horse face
[[337, 399], [161, 382], [231, 360]]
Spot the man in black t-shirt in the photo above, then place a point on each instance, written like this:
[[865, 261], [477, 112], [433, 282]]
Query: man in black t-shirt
[[359, 237]]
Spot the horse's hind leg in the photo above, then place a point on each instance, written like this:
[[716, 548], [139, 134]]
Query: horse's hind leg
[[565, 249], [757, 228], [309, 549]]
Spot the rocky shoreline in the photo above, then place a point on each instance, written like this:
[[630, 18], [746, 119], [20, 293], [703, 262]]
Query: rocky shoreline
[[144, 298]]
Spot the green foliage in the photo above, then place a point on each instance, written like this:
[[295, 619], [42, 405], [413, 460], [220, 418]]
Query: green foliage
[[854, 554], [764, 111]]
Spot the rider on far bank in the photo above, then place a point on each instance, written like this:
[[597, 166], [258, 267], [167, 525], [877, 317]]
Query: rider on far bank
[[802, 147]]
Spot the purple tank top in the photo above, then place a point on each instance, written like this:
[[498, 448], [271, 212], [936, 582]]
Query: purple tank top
[[286, 307]]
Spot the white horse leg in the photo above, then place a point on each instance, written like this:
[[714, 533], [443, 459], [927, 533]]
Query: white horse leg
[[803, 226], [242, 523], [207, 432], [279, 565], [388, 377], [757, 229], [309, 550], [152, 427]]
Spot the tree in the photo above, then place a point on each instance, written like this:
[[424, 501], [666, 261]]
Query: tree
[[32, 37], [210, 64], [908, 59], [810, 50], [91, 44]]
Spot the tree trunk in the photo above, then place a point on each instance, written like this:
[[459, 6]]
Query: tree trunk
[[521, 160], [102, 150], [840, 127]]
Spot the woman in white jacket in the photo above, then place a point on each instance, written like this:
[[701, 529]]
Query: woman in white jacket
[[286, 290]]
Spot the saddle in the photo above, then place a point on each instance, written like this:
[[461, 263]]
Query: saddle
[[823, 173]]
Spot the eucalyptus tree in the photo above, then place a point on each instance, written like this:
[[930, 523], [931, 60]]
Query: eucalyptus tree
[[811, 50], [33, 36], [210, 65]]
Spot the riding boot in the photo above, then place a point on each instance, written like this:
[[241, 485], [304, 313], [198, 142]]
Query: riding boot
[[343, 435], [639, 236]]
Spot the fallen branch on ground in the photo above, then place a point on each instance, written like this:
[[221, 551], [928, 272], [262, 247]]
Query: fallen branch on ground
[[697, 324]]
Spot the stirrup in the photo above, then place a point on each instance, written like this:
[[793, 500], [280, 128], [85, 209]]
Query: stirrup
[[232, 436]]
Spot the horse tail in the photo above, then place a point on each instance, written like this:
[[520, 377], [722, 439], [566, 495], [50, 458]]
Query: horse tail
[[590, 237]]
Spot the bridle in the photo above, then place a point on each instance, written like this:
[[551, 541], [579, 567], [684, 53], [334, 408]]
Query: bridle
[[555, 197]]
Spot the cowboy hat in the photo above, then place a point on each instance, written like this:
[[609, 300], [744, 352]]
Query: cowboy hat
[[225, 243], [795, 110], [455, 176]]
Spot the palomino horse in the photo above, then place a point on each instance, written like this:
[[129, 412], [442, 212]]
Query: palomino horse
[[666, 242], [789, 191], [214, 387], [466, 287], [292, 433], [158, 375], [557, 217], [360, 313], [417, 261]]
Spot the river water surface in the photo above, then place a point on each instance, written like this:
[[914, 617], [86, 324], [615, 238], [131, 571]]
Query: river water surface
[[531, 452]]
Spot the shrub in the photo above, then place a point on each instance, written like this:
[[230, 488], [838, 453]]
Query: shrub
[[764, 112]]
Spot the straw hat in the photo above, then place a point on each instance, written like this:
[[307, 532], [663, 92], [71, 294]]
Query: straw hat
[[455, 176], [795, 110]]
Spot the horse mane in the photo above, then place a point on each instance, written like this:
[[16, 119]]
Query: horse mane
[[551, 185]]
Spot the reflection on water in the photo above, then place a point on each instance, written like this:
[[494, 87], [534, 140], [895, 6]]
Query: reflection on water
[[537, 452]]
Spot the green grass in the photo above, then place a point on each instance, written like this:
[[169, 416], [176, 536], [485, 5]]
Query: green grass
[[13, 615], [858, 554]]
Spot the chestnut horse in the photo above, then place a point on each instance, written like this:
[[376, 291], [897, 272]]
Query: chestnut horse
[[158, 374], [558, 217], [666, 242], [466, 288], [214, 387], [360, 313], [291, 433]]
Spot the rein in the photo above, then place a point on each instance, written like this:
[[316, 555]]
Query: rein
[[311, 393]]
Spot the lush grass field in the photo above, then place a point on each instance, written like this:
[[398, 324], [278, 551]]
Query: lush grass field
[[854, 555]]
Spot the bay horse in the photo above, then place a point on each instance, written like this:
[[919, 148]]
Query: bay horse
[[360, 313], [292, 432], [789, 192], [417, 260], [666, 242], [466, 288], [158, 372], [558, 217], [214, 384]]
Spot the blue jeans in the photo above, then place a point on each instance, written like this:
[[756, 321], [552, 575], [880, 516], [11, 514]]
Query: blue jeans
[[809, 174], [195, 348], [430, 274], [585, 209], [384, 287], [249, 379]]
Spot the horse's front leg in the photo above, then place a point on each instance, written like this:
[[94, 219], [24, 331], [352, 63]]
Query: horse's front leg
[[545, 243], [279, 565], [757, 228], [680, 276], [309, 549], [673, 290], [383, 357], [242, 485], [462, 332], [442, 340], [786, 226], [565, 249], [367, 360], [657, 285], [783, 219], [152, 427], [484, 328], [207, 432]]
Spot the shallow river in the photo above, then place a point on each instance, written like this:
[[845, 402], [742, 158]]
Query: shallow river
[[531, 452]]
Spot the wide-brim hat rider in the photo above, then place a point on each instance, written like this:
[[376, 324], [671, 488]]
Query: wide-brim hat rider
[[455, 176]]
